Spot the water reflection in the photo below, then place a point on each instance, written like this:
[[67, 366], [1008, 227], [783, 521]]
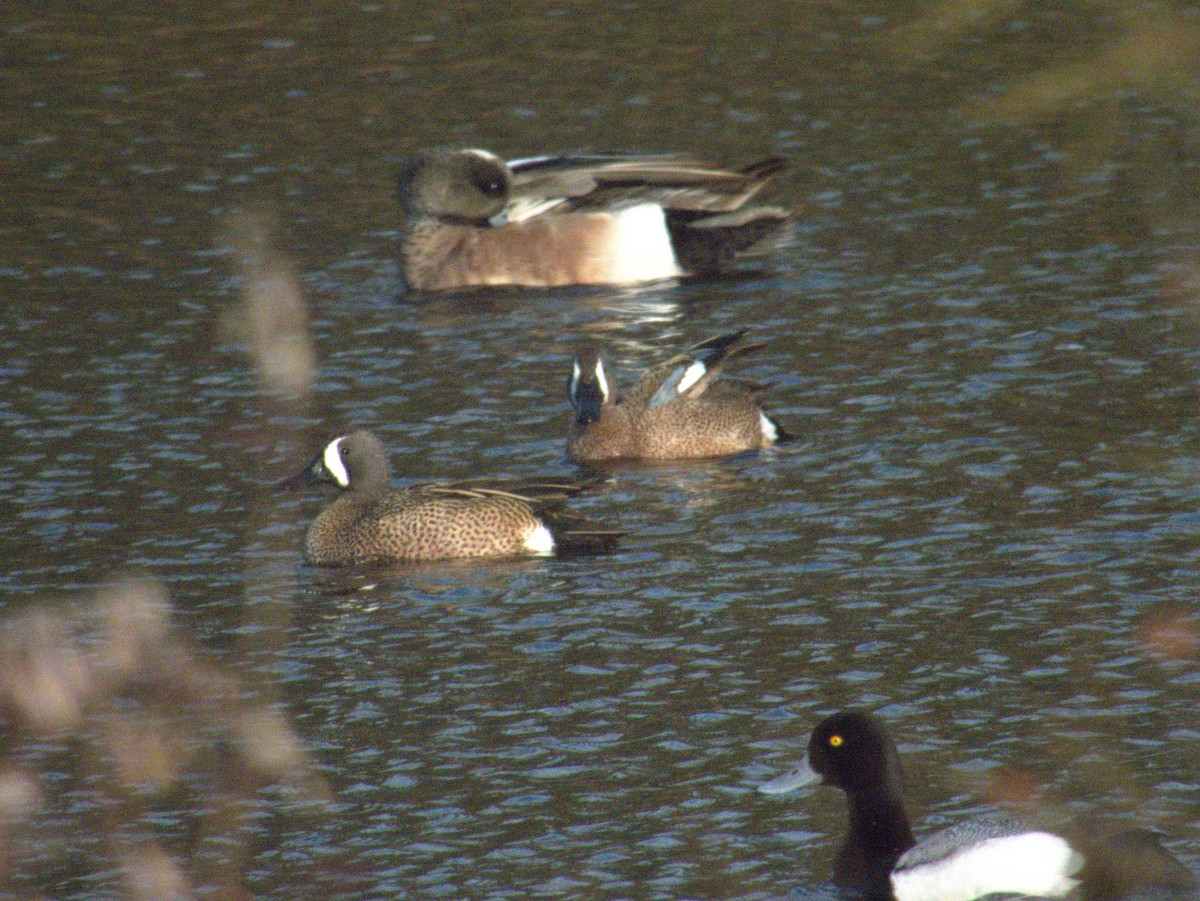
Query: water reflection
[[597, 311], [984, 333]]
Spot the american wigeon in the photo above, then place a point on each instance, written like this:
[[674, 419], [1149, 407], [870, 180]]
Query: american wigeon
[[677, 410], [471, 219], [372, 522]]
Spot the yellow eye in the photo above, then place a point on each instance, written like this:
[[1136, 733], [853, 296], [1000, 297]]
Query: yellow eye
[[835, 741]]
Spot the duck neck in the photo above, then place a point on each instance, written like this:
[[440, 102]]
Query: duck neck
[[879, 833], [365, 491]]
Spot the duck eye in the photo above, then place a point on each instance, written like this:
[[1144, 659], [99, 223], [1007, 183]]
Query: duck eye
[[835, 741], [487, 181], [492, 187]]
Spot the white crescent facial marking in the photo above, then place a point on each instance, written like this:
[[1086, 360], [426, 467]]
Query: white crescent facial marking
[[333, 462], [576, 372], [694, 373], [601, 378]]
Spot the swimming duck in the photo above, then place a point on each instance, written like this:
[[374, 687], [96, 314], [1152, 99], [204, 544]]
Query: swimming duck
[[994, 854], [373, 522], [677, 410], [472, 219]]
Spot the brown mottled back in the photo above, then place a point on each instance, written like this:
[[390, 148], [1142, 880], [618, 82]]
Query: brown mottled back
[[372, 522], [654, 421]]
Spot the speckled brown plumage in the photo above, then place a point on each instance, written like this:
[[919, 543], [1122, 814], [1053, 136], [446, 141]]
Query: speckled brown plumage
[[372, 522], [655, 421]]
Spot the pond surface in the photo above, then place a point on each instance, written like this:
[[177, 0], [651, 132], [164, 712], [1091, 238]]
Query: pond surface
[[984, 335]]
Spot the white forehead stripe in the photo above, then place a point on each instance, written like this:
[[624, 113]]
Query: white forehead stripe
[[694, 373], [333, 462], [484, 155]]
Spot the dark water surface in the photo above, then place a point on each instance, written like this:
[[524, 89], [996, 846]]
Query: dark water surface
[[984, 334]]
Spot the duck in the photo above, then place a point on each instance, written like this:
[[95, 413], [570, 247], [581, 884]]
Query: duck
[[995, 853], [678, 410], [371, 522], [471, 219]]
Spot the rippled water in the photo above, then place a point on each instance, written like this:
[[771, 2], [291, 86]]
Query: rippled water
[[984, 335]]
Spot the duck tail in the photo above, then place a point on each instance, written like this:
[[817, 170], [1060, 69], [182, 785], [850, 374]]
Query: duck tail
[[577, 535]]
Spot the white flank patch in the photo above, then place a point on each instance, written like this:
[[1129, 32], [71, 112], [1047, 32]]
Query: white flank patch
[[769, 431], [333, 462], [640, 245], [540, 541], [691, 375], [1032, 863]]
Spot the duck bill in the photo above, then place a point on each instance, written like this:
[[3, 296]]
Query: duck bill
[[311, 474], [799, 777], [588, 400]]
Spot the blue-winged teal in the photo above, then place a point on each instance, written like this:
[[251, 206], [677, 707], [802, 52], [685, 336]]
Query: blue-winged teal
[[471, 219], [986, 854], [373, 522], [678, 410]]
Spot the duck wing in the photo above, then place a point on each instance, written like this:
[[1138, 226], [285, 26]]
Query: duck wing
[[690, 374], [580, 181], [538, 492]]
